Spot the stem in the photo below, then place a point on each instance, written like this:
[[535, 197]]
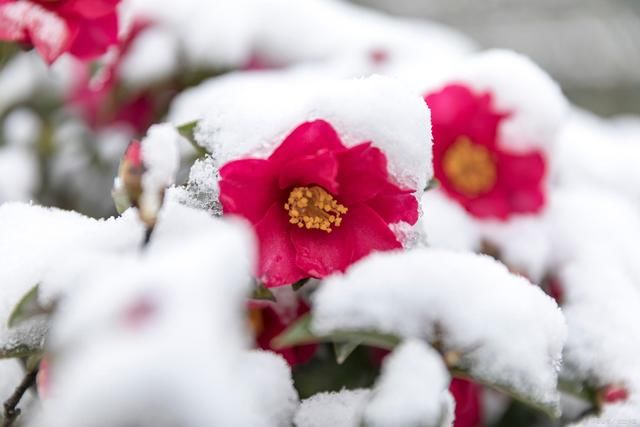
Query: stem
[[11, 411], [147, 236]]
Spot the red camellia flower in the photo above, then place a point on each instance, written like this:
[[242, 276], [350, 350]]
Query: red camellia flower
[[84, 28], [488, 180], [316, 205], [468, 410], [268, 323], [98, 100]]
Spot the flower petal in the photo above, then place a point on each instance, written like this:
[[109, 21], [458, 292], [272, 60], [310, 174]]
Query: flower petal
[[319, 169], [395, 205], [362, 231], [362, 173], [457, 111], [248, 187], [307, 139], [276, 252], [522, 175], [87, 8], [94, 36]]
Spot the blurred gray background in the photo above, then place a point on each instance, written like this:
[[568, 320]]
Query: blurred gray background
[[592, 47]]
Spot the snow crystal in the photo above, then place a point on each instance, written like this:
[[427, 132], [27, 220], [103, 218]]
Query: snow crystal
[[336, 409], [412, 389], [202, 189], [420, 293], [375, 109]]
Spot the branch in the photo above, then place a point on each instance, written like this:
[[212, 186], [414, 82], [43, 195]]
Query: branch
[[11, 410]]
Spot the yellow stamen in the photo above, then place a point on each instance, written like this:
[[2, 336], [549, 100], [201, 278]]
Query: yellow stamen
[[470, 167], [314, 208]]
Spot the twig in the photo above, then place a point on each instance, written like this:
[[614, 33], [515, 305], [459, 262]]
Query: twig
[[11, 411]]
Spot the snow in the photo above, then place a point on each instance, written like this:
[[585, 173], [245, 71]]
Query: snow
[[22, 127], [152, 58], [597, 153], [602, 309], [332, 409], [447, 225], [620, 414], [160, 158], [19, 78], [376, 109], [412, 389], [420, 293], [18, 174], [230, 33], [170, 320]]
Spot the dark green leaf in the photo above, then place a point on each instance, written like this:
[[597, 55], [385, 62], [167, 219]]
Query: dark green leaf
[[300, 333], [262, 293], [299, 284], [344, 349]]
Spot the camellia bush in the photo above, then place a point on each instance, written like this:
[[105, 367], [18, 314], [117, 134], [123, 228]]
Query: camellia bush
[[303, 213]]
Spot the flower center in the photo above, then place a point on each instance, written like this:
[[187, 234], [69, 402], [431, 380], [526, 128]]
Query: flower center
[[314, 208], [470, 167]]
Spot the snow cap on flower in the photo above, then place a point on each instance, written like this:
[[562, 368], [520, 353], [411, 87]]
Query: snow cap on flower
[[327, 176], [83, 28], [501, 328], [491, 138], [534, 103], [146, 170]]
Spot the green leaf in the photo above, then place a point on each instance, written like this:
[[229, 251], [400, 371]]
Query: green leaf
[[300, 333], [299, 284], [27, 307], [187, 130], [344, 349], [262, 293]]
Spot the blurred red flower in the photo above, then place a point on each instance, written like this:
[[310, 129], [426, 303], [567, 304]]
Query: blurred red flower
[[467, 395], [488, 180], [96, 97], [316, 205], [268, 322], [83, 28]]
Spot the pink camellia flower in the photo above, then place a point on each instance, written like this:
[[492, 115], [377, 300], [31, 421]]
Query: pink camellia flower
[[83, 28], [472, 167], [316, 205]]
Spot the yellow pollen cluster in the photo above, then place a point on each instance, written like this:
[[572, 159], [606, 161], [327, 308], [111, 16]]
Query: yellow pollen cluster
[[470, 167], [314, 208]]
